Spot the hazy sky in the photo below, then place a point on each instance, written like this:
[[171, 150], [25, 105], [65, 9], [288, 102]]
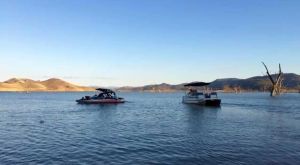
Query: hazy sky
[[137, 42]]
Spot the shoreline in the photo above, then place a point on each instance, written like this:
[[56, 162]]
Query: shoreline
[[179, 91]]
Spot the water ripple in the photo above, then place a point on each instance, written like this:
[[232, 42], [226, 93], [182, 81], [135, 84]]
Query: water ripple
[[149, 129]]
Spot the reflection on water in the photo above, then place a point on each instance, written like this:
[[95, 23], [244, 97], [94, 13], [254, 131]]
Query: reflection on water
[[199, 117], [149, 129], [196, 112]]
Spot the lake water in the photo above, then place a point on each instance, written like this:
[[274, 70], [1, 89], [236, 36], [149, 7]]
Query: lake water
[[152, 128]]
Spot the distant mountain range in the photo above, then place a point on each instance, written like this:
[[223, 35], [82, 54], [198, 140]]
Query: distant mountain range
[[291, 82], [258, 83], [52, 84]]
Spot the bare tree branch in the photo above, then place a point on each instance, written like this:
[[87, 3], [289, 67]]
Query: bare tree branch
[[279, 74], [270, 77]]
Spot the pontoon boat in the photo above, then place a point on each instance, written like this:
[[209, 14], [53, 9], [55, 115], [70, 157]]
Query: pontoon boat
[[206, 97]]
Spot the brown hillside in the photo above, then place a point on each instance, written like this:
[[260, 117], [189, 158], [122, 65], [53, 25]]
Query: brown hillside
[[53, 84]]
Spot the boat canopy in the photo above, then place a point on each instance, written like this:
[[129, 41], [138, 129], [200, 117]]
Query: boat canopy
[[104, 90], [196, 84]]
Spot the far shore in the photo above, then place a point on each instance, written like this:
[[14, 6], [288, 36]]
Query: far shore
[[148, 91]]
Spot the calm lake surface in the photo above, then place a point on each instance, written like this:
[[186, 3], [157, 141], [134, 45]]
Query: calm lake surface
[[152, 128]]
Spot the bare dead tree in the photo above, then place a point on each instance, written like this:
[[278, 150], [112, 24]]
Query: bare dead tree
[[277, 83]]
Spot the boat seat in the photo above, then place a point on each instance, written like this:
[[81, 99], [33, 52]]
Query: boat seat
[[213, 93], [207, 95]]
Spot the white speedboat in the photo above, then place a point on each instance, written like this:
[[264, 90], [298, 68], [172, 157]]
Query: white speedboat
[[206, 97]]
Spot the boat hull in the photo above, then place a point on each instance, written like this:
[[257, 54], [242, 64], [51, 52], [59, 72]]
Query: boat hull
[[100, 101], [213, 102], [202, 101]]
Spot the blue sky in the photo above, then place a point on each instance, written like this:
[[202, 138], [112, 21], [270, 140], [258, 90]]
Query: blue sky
[[137, 42]]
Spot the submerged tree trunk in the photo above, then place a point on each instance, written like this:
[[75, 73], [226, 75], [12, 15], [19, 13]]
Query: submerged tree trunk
[[277, 83]]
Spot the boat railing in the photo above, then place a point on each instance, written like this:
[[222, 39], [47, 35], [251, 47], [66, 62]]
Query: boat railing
[[214, 94], [205, 93]]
